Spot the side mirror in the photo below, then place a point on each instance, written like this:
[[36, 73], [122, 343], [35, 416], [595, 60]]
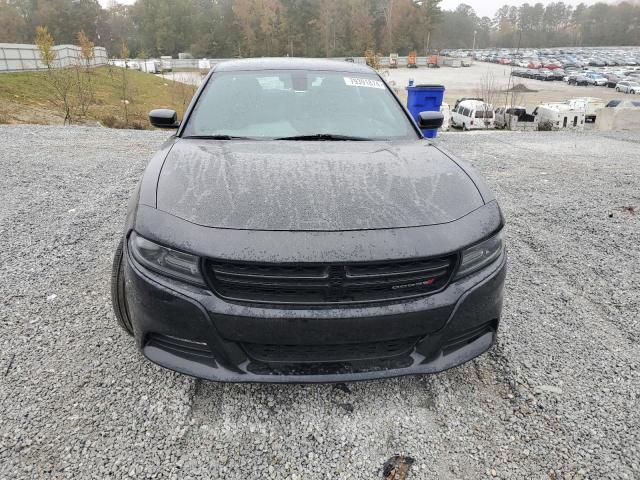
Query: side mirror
[[430, 120], [164, 118]]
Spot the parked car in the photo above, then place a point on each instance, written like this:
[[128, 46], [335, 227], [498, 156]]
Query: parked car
[[596, 79], [473, 115], [552, 65], [628, 86], [622, 104], [242, 258], [612, 79], [544, 74], [577, 79], [564, 58], [507, 116]]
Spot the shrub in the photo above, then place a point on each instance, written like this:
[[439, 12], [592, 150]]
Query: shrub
[[545, 126], [110, 121]]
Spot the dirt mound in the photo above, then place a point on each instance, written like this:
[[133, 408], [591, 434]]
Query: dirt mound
[[521, 87]]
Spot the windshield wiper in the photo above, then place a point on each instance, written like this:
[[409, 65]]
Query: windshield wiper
[[324, 136], [217, 137]]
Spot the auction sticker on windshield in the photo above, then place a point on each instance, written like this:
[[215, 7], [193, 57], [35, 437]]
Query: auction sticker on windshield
[[363, 82]]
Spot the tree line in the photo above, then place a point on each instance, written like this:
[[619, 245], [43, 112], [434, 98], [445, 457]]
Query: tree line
[[315, 28]]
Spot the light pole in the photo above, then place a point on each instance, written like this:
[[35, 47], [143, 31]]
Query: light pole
[[473, 55]]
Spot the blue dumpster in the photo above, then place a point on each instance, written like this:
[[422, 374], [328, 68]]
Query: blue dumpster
[[425, 98]]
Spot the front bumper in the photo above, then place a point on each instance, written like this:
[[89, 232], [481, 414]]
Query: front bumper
[[190, 330]]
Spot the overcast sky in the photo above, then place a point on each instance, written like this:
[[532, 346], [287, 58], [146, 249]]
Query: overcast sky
[[482, 7]]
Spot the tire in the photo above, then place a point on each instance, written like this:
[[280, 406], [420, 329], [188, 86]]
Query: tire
[[617, 90], [632, 92], [118, 298]]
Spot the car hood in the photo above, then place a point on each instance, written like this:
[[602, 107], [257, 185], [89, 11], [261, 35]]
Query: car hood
[[313, 185]]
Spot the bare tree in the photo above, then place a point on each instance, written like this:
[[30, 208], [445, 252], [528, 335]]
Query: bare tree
[[387, 11], [489, 91], [124, 54], [514, 99], [85, 88], [513, 94], [60, 81], [182, 91]]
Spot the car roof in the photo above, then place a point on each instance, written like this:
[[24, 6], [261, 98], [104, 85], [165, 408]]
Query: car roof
[[286, 63], [472, 103], [558, 107]]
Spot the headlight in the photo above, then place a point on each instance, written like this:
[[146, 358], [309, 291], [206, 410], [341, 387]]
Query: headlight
[[164, 260], [480, 255]]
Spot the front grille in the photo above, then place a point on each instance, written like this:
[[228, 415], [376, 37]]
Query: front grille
[[329, 353], [335, 368], [321, 284]]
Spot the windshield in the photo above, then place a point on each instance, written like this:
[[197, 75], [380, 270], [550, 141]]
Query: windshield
[[293, 103]]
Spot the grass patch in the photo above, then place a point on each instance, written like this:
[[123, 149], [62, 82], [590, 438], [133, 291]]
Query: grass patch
[[144, 93]]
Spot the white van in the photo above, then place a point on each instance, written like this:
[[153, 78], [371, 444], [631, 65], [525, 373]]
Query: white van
[[166, 63], [445, 110], [204, 65], [472, 115], [559, 116], [590, 105], [150, 66]]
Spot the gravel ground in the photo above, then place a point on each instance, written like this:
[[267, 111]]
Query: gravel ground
[[558, 398]]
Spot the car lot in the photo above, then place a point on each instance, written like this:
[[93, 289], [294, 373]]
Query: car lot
[[466, 82], [556, 399], [599, 67]]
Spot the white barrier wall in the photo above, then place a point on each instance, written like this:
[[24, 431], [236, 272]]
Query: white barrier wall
[[16, 57]]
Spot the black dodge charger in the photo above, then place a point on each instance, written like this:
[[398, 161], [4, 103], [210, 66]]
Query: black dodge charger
[[299, 228]]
